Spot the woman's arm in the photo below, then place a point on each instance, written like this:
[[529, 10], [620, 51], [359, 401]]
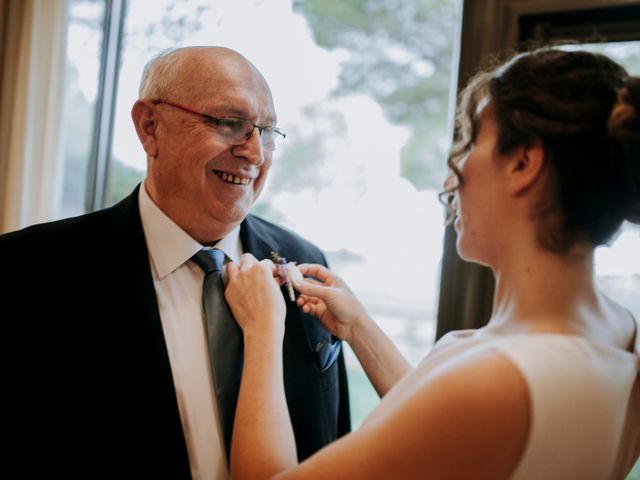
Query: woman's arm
[[262, 407], [262, 421], [332, 302], [469, 418]]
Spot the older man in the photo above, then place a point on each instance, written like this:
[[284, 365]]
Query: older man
[[111, 366]]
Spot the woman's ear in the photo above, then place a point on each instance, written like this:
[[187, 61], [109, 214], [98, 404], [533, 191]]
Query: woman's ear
[[144, 118], [525, 167]]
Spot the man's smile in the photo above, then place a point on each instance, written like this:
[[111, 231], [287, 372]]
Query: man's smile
[[234, 179]]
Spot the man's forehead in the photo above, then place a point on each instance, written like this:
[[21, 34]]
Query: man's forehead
[[227, 83], [239, 106], [235, 100], [223, 68]]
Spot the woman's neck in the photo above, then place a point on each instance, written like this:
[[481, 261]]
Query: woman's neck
[[538, 290]]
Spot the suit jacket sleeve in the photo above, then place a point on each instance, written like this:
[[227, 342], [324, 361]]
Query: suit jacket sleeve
[[86, 374]]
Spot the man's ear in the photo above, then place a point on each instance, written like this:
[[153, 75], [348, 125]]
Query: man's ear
[[525, 167], [144, 118]]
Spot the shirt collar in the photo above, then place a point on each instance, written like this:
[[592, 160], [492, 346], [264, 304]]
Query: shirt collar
[[169, 246]]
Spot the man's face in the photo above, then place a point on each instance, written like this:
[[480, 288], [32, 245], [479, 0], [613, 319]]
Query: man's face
[[201, 182]]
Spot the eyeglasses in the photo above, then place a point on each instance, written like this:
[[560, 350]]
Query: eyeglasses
[[235, 131], [447, 197]]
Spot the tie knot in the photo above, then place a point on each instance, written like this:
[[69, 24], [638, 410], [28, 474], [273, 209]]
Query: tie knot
[[210, 260]]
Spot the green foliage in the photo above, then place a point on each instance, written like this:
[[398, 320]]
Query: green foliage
[[122, 180], [289, 172], [400, 53], [300, 164]]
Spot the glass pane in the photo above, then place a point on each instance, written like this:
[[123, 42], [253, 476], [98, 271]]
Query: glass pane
[[82, 67], [634, 474], [618, 268], [367, 136], [151, 26]]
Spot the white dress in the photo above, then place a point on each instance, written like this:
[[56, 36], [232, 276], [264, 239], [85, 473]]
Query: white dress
[[579, 393]]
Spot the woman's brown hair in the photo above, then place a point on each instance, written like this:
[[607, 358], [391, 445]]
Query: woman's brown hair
[[585, 110]]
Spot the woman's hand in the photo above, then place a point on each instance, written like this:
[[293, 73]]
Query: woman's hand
[[262, 428], [255, 298], [330, 300]]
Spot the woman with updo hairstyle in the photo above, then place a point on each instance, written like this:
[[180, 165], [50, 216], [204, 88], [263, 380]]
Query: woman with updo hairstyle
[[585, 110], [545, 167]]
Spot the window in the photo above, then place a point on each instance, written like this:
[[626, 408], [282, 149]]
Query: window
[[81, 78], [93, 54], [368, 132], [363, 89]]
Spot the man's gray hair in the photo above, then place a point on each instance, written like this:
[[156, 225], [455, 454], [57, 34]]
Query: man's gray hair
[[159, 74]]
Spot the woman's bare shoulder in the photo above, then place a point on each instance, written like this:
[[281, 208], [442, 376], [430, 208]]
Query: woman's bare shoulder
[[470, 419]]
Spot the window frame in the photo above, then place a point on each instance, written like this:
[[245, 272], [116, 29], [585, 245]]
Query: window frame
[[101, 143], [487, 27]]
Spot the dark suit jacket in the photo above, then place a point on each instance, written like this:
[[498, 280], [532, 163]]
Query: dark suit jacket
[[87, 383]]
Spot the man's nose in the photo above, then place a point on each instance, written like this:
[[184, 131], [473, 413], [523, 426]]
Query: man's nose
[[251, 149]]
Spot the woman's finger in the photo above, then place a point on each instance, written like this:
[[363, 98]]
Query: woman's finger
[[232, 270], [320, 272], [304, 299], [308, 304], [268, 265], [307, 287], [247, 261], [314, 281]]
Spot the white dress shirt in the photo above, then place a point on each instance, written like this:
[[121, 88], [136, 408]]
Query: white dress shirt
[[178, 285]]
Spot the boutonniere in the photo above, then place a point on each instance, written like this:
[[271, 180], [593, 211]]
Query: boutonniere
[[288, 272]]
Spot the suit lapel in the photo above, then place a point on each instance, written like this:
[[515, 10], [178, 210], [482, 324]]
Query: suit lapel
[[257, 242], [260, 242], [126, 263]]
